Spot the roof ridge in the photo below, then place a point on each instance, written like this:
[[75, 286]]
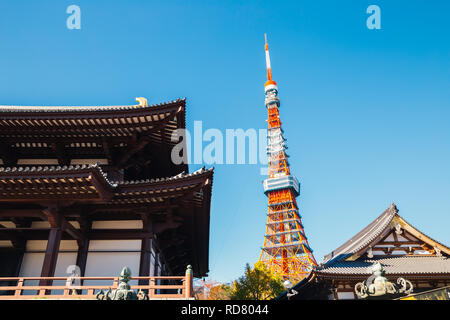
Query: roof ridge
[[364, 236], [57, 168], [47, 167], [160, 179], [46, 108]]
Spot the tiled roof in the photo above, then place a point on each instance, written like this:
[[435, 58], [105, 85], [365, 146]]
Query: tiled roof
[[47, 170], [80, 108], [178, 176], [38, 170], [364, 237], [391, 265]]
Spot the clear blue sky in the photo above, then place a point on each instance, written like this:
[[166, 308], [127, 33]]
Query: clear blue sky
[[366, 112]]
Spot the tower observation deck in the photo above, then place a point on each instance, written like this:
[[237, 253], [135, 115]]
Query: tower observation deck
[[286, 250]]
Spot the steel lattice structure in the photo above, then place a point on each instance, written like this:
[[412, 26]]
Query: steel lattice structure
[[286, 250]]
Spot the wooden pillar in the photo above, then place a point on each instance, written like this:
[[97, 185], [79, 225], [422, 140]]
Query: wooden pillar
[[155, 271], [82, 254], [51, 255], [54, 240], [335, 294], [156, 268], [20, 255], [83, 245], [19, 244], [189, 290], [146, 254], [146, 249]]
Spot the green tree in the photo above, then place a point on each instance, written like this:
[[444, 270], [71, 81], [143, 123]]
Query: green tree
[[258, 283]]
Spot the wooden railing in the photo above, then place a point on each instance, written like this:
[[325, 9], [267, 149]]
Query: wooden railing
[[19, 290]]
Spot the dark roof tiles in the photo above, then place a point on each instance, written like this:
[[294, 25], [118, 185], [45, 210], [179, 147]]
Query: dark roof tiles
[[391, 265], [78, 168]]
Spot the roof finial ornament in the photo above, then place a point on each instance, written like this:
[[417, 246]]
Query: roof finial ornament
[[142, 102], [393, 207]]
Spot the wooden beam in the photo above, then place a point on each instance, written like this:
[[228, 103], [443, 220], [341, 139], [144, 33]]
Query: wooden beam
[[21, 213], [71, 230], [104, 192], [108, 151], [9, 156], [118, 234], [57, 220], [143, 140]]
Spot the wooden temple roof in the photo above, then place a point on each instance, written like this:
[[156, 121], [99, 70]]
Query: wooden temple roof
[[91, 121], [356, 256], [127, 136], [401, 265], [134, 177], [371, 234], [401, 249]]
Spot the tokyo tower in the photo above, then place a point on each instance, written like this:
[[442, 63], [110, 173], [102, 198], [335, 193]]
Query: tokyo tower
[[286, 250]]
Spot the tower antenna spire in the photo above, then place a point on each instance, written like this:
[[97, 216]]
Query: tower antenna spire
[[269, 68]]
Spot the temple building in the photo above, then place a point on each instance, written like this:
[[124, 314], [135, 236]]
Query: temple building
[[96, 187], [389, 246]]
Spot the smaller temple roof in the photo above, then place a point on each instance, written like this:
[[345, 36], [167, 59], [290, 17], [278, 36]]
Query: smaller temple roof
[[392, 265], [358, 244], [401, 249]]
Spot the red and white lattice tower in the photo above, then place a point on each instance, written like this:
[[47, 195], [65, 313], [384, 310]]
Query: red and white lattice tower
[[286, 250]]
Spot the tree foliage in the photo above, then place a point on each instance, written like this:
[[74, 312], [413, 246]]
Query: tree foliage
[[258, 283], [212, 290], [220, 292]]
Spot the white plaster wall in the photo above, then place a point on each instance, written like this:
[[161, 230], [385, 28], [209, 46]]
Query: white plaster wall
[[118, 224], [115, 245], [37, 161], [65, 259], [6, 244], [67, 245], [41, 245], [31, 267], [110, 264], [7, 224], [88, 161], [40, 224], [346, 296], [152, 264], [36, 245]]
